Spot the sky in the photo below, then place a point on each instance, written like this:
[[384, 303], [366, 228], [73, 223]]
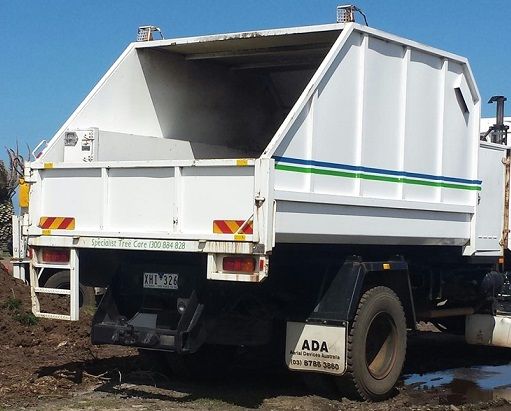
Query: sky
[[55, 51]]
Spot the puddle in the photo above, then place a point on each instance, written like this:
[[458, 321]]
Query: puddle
[[462, 385]]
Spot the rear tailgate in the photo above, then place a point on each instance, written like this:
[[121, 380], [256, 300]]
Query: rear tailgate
[[190, 200]]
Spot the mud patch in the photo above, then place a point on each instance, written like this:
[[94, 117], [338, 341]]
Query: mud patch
[[33, 351], [51, 365]]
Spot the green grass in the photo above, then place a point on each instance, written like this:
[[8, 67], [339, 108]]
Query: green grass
[[15, 307], [12, 304], [26, 318]]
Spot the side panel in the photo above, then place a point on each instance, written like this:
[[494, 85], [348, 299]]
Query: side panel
[[460, 134], [326, 222], [383, 107], [328, 129], [122, 104], [384, 146], [161, 94], [423, 128], [490, 208]]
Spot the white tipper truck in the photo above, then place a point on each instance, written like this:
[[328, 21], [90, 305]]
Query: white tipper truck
[[314, 190]]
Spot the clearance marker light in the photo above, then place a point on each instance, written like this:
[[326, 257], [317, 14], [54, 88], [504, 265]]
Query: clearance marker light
[[239, 264], [24, 193]]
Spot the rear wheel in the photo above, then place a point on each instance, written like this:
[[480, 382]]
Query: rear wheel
[[87, 296], [376, 346]]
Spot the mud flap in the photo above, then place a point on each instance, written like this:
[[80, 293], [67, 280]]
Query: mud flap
[[316, 348], [318, 344]]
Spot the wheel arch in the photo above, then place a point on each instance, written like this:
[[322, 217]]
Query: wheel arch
[[342, 293], [398, 280]]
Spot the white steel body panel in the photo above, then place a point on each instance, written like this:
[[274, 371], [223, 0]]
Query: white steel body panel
[[137, 200], [494, 163], [376, 141], [489, 219], [380, 120]]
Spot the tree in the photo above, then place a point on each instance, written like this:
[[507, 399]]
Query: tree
[[9, 179]]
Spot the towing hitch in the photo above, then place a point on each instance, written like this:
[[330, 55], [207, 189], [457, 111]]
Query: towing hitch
[[145, 329]]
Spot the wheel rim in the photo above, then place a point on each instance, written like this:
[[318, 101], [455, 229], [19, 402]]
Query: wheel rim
[[381, 341]]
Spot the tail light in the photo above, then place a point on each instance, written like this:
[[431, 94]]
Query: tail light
[[239, 264], [55, 255]]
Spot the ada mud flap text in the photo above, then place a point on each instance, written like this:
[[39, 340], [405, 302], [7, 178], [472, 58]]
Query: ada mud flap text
[[314, 345], [316, 348]]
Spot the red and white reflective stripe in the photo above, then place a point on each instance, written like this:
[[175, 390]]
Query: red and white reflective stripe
[[232, 227], [57, 223]]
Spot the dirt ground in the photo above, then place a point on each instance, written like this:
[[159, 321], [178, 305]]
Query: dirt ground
[[51, 365]]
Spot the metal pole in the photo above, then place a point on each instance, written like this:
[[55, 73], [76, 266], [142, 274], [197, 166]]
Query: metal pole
[[74, 284]]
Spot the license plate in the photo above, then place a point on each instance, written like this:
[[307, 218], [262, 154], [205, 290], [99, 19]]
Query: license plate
[[164, 281]]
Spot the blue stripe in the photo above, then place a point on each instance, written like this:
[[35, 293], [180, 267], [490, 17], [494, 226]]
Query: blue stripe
[[374, 170]]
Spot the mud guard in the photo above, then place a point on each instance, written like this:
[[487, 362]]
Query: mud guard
[[342, 292], [319, 343]]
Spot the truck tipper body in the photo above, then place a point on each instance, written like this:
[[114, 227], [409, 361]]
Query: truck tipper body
[[315, 190]]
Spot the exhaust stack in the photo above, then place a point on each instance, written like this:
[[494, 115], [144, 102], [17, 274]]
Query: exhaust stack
[[497, 132]]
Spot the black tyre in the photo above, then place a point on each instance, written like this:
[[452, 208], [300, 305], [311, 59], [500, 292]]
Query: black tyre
[[61, 280], [376, 346]]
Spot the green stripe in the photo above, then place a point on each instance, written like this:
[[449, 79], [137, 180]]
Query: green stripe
[[363, 176]]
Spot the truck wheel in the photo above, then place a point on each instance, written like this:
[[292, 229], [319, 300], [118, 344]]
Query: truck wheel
[[87, 296], [376, 346]]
